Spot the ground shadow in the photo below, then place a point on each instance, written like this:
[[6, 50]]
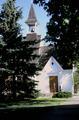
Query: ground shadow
[[63, 112]]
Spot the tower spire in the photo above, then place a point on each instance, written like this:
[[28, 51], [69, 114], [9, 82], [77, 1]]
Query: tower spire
[[31, 20]]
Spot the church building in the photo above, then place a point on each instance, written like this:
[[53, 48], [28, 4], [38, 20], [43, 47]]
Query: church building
[[52, 77]]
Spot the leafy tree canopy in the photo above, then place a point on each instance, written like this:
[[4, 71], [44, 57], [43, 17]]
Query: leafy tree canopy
[[63, 29]]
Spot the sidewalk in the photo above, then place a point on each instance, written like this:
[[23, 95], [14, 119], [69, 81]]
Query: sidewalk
[[73, 100]]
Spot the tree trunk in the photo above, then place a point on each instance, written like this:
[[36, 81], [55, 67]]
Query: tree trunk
[[14, 88]]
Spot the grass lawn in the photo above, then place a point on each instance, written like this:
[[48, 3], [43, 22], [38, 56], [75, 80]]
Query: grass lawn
[[39, 102]]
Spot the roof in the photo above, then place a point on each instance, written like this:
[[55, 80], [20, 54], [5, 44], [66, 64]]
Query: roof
[[32, 36], [52, 66], [31, 17]]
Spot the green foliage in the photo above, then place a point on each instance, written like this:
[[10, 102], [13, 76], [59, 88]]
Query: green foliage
[[76, 77], [63, 29], [63, 94], [76, 72], [16, 55]]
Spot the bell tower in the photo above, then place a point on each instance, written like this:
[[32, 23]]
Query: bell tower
[[31, 20], [32, 24]]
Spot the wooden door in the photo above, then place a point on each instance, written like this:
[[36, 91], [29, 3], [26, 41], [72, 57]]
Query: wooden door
[[53, 84]]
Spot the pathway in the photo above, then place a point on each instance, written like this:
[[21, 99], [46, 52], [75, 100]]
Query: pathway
[[72, 101]]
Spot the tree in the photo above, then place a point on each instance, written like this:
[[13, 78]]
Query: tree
[[76, 76], [16, 54], [63, 29], [10, 30], [27, 69], [2, 72]]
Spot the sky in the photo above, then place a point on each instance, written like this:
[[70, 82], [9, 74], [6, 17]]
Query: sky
[[40, 14]]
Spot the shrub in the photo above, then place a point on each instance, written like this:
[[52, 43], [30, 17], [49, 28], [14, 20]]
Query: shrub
[[62, 94]]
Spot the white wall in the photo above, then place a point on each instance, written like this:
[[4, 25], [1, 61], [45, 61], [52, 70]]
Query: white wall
[[64, 77], [43, 78], [66, 80], [43, 83]]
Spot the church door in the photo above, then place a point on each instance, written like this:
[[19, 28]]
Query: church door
[[53, 83]]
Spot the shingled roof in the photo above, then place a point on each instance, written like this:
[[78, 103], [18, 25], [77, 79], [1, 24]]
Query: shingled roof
[[31, 37], [31, 17]]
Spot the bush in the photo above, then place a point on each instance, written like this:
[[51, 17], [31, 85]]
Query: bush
[[63, 94]]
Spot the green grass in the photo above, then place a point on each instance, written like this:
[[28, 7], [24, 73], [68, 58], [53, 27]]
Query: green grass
[[39, 102]]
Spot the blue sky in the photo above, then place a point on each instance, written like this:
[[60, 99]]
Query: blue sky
[[40, 14]]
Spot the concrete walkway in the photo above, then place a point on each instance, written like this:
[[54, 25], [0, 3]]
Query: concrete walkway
[[73, 100]]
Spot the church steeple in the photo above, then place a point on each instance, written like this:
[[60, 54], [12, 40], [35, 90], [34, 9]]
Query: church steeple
[[32, 35], [31, 20]]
